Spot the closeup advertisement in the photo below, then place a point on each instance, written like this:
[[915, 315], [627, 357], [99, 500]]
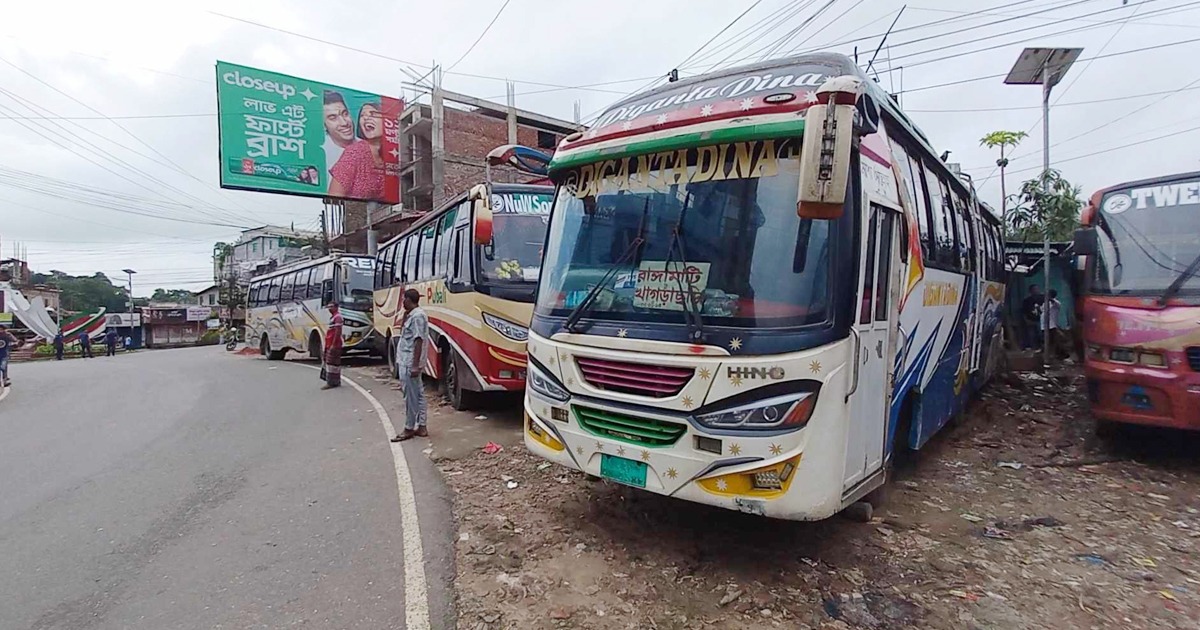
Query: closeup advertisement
[[283, 134]]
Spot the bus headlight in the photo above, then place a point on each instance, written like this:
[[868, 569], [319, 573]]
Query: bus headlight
[[506, 328], [543, 384], [779, 412]]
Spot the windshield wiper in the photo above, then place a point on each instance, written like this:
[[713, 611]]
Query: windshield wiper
[[1179, 281], [634, 245], [691, 313]]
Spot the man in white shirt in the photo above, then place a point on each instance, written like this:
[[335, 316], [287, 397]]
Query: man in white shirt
[[1054, 311]]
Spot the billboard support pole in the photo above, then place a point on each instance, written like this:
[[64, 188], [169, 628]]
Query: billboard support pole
[[372, 234]]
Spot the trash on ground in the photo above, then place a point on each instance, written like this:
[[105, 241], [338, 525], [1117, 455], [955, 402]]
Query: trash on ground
[[1012, 465], [491, 448]]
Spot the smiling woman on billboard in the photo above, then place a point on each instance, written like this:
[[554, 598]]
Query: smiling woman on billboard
[[359, 172]]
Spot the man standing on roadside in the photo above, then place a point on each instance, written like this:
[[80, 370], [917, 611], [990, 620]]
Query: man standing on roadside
[[8, 343], [85, 345], [413, 345], [110, 343], [59, 342]]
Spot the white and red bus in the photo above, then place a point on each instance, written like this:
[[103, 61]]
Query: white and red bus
[[476, 261], [759, 285]]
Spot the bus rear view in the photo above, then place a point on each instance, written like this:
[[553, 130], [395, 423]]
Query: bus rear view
[[1140, 309]]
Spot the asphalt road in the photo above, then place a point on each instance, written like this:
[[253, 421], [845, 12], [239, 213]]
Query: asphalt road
[[200, 489]]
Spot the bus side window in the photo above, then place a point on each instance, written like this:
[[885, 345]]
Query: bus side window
[[886, 221], [251, 295], [273, 292], [410, 259]]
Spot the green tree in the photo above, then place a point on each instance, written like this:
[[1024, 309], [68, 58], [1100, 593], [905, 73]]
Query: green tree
[[85, 294], [1046, 203], [176, 296], [1003, 140]]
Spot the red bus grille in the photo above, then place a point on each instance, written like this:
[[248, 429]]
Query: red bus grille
[[654, 381]]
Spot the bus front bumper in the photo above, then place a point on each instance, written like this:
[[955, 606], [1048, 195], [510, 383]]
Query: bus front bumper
[[770, 477], [1142, 395]]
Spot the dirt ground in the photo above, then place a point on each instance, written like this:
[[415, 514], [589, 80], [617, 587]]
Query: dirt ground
[[1016, 516]]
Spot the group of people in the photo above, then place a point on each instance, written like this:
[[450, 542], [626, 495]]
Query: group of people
[[111, 338], [410, 357], [10, 342], [353, 149], [1039, 314]]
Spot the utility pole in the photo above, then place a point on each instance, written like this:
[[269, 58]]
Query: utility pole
[[324, 232]]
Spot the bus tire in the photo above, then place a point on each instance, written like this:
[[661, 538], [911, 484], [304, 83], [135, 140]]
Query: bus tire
[[314, 346], [393, 356], [458, 397], [264, 348]]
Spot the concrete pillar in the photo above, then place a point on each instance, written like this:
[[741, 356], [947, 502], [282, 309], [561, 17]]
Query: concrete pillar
[[438, 137], [511, 92]]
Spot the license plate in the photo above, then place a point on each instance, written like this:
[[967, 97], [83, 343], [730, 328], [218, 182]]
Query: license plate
[[626, 471]]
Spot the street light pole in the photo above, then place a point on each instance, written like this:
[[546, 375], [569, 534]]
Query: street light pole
[[129, 273], [1045, 67], [1046, 85]]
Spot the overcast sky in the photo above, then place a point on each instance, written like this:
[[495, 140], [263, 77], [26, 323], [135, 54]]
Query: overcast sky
[[149, 66]]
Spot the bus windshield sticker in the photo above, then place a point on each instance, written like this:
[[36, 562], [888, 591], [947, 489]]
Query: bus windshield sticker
[[657, 171], [657, 287], [522, 203]]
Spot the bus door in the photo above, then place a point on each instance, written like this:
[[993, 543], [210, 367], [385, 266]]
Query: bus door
[[875, 325], [974, 226]]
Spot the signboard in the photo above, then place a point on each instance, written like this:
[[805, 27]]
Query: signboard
[[213, 324], [522, 203], [198, 313], [284, 134], [123, 320], [656, 286], [6, 319]]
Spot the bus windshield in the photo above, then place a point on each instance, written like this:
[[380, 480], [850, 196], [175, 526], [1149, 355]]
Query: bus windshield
[[358, 288], [515, 254], [1148, 236], [719, 229]]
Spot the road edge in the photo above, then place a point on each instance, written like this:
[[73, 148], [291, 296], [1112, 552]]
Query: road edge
[[4, 391], [416, 588]]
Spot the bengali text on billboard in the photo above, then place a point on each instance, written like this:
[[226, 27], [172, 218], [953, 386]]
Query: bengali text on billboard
[[283, 134]]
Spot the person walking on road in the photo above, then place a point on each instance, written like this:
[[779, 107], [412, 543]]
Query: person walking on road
[[333, 349], [413, 345], [1051, 322], [85, 345], [59, 342], [8, 343], [110, 343]]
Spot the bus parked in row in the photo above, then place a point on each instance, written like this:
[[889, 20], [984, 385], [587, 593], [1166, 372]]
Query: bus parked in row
[[759, 285], [285, 309], [1140, 304], [475, 260]]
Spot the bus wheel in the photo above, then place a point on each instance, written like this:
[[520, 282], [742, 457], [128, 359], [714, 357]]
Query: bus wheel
[[459, 398], [264, 348], [314, 346]]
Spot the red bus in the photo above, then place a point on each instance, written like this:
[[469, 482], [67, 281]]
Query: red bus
[[1140, 305]]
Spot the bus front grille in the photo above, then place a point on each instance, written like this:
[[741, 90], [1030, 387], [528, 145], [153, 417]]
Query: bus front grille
[[1193, 357], [627, 428], [655, 381]]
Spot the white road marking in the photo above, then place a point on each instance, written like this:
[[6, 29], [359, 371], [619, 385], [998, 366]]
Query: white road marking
[[4, 392], [416, 592]]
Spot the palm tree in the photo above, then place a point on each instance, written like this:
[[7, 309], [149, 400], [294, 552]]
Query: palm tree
[[1003, 139]]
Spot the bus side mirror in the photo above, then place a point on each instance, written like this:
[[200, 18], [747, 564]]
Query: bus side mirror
[[481, 198], [825, 149], [1086, 242]]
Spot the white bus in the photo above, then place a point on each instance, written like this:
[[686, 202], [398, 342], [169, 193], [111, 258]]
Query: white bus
[[285, 309], [758, 286]]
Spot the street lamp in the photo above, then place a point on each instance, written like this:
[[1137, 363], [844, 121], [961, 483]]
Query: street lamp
[[1044, 67], [130, 272]]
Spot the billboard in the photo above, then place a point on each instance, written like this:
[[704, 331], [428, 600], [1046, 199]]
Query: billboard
[[283, 134]]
